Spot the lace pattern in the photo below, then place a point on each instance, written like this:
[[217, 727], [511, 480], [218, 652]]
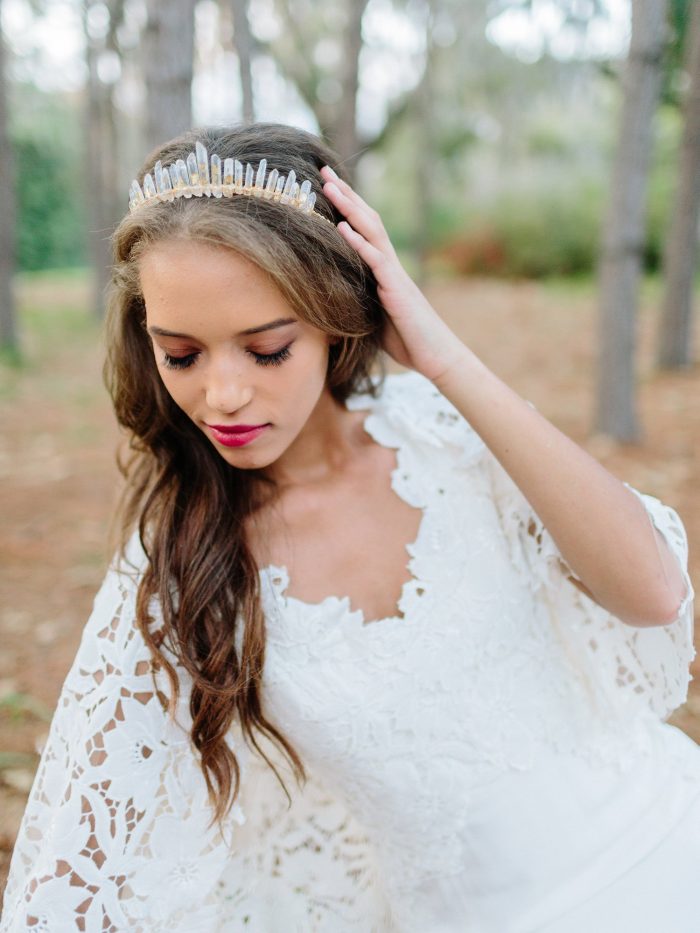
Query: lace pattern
[[633, 669], [494, 679], [115, 835], [497, 657]]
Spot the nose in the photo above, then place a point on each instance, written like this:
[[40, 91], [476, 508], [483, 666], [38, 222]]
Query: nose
[[227, 389]]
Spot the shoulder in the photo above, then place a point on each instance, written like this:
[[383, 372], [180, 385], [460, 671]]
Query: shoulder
[[110, 638], [124, 574], [409, 406]]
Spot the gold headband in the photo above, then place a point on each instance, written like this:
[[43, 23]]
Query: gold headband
[[201, 176]]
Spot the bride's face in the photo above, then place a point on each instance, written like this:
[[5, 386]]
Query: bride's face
[[230, 350]]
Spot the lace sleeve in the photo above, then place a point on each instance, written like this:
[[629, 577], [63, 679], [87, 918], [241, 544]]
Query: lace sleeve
[[116, 835], [118, 808], [631, 668]]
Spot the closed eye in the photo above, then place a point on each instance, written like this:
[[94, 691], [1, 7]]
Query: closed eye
[[179, 362], [272, 359], [262, 359]]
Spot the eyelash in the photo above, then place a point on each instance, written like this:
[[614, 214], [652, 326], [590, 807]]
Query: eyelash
[[262, 359]]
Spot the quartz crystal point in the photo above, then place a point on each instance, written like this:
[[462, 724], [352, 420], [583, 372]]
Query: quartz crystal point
[[228, 171], [193, 170], [260, 176], [238, 173], [167, 184], [158, 172], [279, 188], [183, 179], [304, 192], [216, 176], [310, 201], [248, 176], [135, 193], [288, 187], [149, 189], [202, 159], [271, 183]]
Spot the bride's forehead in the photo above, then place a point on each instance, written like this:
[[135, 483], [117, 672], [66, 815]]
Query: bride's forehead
[[183, 278], [175, 259]]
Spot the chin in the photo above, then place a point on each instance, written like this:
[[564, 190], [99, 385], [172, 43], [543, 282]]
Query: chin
[[248, 460], [251, 459]]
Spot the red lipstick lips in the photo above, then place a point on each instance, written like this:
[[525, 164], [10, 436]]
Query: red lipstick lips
[[236, 435]]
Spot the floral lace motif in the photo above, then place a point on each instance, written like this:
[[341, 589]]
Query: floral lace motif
[[115, 835], [490, 643], [497, 658]]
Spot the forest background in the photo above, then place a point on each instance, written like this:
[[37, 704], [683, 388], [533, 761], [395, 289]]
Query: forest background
[[537, 164]]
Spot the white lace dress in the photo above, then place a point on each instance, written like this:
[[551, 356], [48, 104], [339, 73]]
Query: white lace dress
[[494, 761]]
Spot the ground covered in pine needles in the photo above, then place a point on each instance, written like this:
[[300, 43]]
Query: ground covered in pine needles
[[59, 481]]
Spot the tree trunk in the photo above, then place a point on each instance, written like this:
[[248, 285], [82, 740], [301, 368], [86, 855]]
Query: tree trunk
[[102, 158], [675, 342], [168, 53], [343, 134], [624, 227], [425, 152], [9, 341], [243, 44]]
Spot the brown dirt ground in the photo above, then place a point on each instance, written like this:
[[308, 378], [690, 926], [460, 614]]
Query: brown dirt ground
[[59, 481]]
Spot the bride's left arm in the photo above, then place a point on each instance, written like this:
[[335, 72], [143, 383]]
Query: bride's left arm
[[600, 526]]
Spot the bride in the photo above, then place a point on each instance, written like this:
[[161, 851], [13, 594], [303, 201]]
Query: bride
[[381, 653]]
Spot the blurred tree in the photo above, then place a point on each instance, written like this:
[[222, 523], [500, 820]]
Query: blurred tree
[[624, 224], [318, 50], [101, 22], [8, 326], [243, 44], [343, 132], [167, 61], [426, 152], [675, 343]]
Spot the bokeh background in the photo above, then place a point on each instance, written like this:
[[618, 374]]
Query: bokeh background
[[536, 163]]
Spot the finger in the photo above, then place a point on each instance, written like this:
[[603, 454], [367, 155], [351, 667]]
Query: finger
[[345, 188], [362, 218], [349, 192], [374, 257]]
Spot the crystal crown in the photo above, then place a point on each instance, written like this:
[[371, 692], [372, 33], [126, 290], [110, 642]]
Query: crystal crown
[[200, 175]]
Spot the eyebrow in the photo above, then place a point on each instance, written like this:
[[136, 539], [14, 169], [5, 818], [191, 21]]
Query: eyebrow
[[271, 325]]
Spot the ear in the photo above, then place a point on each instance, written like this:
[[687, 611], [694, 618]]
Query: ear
[[334, 341]]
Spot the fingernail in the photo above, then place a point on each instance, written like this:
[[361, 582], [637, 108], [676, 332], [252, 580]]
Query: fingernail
[[331, 171]]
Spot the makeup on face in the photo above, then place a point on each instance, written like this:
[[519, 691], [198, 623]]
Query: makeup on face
[[231, 351], [237, 435]]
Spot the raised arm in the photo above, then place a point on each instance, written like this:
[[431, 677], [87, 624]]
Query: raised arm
[[600, 526]]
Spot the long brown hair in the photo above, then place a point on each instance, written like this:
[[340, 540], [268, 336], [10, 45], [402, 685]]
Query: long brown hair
[[187, 503]]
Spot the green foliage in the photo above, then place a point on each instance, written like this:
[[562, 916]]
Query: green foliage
[[532, 234], [20, 705], [679, 30], [547, 222], [662, 183], [47, 136], [50, 222]]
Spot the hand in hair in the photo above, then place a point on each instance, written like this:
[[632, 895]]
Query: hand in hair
[[414, 335], [589, 529]]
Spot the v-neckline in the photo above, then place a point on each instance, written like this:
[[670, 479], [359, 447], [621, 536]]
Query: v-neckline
[[281, 570]]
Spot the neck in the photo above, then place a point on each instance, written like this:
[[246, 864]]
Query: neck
[[324, 446]]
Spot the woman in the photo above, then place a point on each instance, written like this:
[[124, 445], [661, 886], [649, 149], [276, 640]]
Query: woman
[[273, 721]]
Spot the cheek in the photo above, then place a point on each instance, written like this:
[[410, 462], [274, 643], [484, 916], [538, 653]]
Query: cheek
[[179, 390]]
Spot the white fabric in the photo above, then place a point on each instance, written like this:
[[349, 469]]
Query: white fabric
[[496, 761]]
